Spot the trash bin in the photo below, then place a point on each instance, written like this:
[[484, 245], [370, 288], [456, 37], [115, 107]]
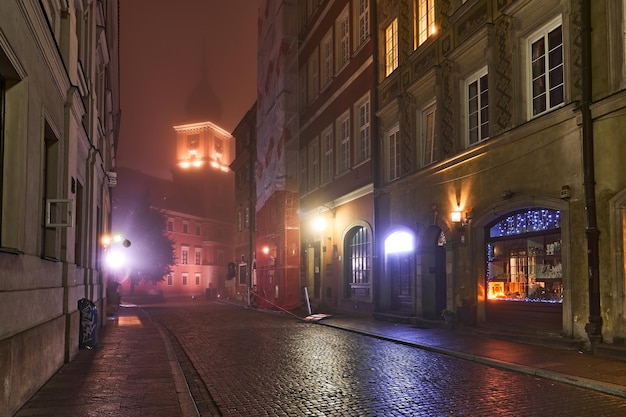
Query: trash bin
[[88, 336]]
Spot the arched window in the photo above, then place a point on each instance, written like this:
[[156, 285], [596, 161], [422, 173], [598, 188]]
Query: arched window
[[358, 262]]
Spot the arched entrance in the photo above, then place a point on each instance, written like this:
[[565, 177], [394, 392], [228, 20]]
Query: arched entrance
[[524, 269]]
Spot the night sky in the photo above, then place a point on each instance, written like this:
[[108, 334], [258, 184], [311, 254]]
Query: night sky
[[180, 61]]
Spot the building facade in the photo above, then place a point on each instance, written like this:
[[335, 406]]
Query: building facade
[[336, 102], [501, 190], [198, 206], [59, 123]]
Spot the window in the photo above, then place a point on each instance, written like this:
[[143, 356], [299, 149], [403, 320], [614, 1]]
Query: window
[[170, 225], [197, 277], [424, 20], [239, 221], [243, 274], [198, 254], [363, 127], [185, 227], [184, 258], [219, 146], [193, 143], [170, 280], [477, 112], [185, 278], [342, 30], [327, 59], [198, 230], [391, 47], [546, 68], [343, 127], [314, 163], [393, 154], [524, 256], [428, 135], [313, 78], [358, 248], [327, 161], [363, 20], [247, 217], [303, 171], [302, 87]]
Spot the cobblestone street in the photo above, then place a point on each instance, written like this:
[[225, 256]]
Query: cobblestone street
[[256, 363]]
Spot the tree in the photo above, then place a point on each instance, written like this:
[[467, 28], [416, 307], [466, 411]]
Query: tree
[[150, 256]]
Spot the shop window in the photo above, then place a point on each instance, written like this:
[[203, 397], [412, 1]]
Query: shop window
[[524, 257]]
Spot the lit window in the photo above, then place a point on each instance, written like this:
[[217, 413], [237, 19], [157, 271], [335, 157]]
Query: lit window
[[391, 47], [424, 20], [547, 74], [428, 135], [477, 108]]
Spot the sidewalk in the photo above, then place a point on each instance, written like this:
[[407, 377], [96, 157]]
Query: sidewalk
[[133, 372]]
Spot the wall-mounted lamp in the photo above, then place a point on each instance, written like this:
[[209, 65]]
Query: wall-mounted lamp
[[455, 216]]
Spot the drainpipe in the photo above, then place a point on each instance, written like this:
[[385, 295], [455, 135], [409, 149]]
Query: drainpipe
[[594, 326]]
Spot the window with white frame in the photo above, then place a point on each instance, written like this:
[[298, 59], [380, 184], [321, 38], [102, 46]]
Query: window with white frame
[[185, 227], [170, 279], [545, 48], [393, 153], [327, 59], [342, 39], [358, 253], [327, 161], [362, 20], [391, 47], [428, 134], [313, 77], [198, 256], [424, 27], [343, 130], [314, 163], [477, 110], [197, 276], [362, 113], [185, 276]]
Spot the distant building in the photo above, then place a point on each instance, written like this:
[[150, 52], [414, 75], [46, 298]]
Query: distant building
[[198, 204], [59, 124]]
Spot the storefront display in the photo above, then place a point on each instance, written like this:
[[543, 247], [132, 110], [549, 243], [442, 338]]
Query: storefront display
[[524, 257]]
